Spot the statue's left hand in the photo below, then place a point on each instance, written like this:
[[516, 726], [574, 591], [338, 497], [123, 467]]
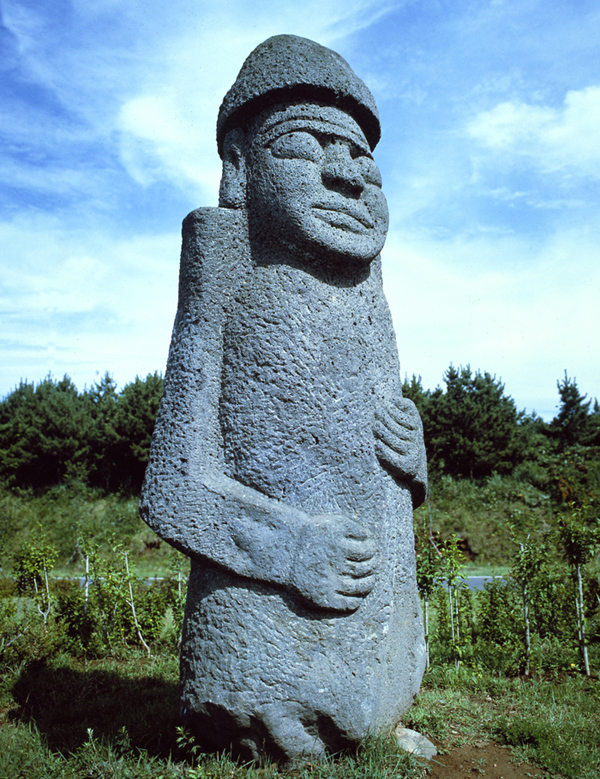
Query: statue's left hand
[[399, 444]]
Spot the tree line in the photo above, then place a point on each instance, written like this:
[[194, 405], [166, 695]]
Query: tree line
[[473, 430], [50, 433]]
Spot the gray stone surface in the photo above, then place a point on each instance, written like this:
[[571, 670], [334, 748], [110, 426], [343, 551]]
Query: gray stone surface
[[415, 743], [285, 461]]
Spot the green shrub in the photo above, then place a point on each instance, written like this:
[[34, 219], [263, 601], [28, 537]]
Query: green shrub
[[500, 627], [77, 616]]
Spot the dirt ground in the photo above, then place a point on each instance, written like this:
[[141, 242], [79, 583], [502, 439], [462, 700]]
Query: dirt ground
[[483, 759]]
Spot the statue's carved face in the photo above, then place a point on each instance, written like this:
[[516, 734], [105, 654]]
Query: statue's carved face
[[313, 185]]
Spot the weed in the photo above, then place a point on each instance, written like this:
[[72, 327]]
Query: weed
[[552, 723]]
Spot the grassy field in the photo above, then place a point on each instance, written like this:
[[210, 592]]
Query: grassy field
[[551, 721], [72, 718], [69, 718], [75, 709]]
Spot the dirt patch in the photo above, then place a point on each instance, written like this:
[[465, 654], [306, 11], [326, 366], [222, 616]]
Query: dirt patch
[[483, 759]]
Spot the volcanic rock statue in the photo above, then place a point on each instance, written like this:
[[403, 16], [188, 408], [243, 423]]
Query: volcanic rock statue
[[285, 461]]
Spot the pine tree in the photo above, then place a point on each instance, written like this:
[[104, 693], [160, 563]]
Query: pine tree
[[472, 430], [137, 407], [103, 439], [571, 424], [42, 434]]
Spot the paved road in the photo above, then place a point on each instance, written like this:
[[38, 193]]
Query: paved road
[[477, 582]]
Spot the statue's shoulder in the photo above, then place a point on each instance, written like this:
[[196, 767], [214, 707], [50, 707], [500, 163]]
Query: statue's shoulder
[[215, 255]]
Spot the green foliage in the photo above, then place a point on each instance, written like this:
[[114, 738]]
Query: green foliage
[[26, 636], [42, 430], [430, 564], [65, 514], [117, 609], [479, 512], [50, 433], [471, 429], [579, 534], [106, 616], [30, 563], [500, 627], [78, 617], [572, 425], [520, 622], [109, 581], [103, 439], [136, 413], [573, 475]]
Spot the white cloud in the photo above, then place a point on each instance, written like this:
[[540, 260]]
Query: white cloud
[[167, 129], [98, 82], [81, 301], [459, 302], [555, 139]]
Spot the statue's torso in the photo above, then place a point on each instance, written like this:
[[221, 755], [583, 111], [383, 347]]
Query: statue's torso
[[304, 366]]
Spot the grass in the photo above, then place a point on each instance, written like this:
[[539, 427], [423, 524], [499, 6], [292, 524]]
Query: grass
[[69, 718], [552, 722], [478, 512], [70, 516]]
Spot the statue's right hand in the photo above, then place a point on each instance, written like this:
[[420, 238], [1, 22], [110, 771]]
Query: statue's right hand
[[333, 565]]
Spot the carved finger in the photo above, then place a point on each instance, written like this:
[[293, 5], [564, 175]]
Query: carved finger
[[393, 456], [405, 413], [358, 570], [340, 602], [356, 588], [358, 551], [356, 533], [406, 404], [387, 447], [385, 426]]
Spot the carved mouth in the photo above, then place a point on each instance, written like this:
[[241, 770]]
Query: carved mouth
[[345, 217]]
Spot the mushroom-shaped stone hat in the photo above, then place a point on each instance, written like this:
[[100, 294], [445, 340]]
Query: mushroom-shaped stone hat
[[287, 68]]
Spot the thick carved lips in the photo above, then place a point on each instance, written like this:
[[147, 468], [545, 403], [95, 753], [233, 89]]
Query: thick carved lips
[[345, 216]]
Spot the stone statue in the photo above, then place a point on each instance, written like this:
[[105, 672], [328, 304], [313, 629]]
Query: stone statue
[[285, 461]]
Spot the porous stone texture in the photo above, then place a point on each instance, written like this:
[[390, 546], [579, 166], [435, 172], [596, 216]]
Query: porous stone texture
[[285, 461]]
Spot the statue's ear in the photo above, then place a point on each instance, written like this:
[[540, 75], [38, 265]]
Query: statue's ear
[[232, 192]]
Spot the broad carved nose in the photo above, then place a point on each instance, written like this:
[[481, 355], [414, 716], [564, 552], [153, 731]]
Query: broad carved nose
[[340, 171]]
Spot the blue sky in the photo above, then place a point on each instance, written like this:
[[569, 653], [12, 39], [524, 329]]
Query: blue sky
[[490, 156]]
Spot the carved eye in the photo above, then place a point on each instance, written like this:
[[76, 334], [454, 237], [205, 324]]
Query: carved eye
[[298, 145], [369, 170]]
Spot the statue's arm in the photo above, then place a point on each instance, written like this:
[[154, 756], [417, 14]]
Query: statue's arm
[[397, 425], [325, 560], [187, 497], [399, 445]]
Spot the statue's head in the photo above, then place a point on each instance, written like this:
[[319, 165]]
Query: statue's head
[[296, 133]]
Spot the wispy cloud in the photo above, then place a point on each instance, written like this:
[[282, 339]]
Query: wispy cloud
[[460, 302], [564, 139], [81, 302], [490, 157], [164, 130]]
